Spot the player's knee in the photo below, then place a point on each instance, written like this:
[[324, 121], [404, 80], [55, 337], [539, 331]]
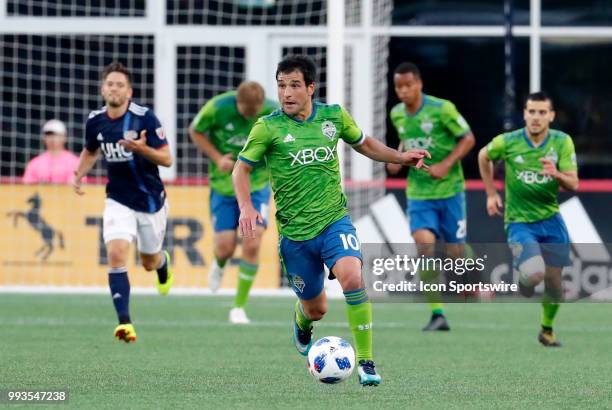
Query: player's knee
[[224, 250], [117, 257], [533, 269], [149, 264], [250, 248]]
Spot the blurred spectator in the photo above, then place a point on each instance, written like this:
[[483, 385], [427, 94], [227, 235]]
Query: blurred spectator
[[56, 165]]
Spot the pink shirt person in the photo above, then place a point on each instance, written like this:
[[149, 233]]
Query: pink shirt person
[[56, 165], [51, 168]]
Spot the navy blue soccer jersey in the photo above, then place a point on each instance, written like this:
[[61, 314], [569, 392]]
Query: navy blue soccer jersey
[[132, 179]]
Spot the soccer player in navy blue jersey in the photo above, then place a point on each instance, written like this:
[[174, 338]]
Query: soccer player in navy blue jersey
[[133, 143]]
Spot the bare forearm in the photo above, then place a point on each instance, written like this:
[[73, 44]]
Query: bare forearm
[[485, 165], [204, 144], [241, 180], [376, 150], [568, 181], [87, 160], [159, 156], [463, 147]]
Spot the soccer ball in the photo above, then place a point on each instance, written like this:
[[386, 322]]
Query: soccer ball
[[331, 360]]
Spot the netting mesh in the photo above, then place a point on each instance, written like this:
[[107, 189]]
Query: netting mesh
[[72, 8], [202, 73], [51, 76], [255, 12]]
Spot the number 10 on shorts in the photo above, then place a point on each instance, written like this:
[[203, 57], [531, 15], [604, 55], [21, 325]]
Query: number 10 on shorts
[[349, 240]]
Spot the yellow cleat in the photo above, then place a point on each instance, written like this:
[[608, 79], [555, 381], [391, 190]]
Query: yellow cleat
[[548, 339], [164, 288], [125, 332]]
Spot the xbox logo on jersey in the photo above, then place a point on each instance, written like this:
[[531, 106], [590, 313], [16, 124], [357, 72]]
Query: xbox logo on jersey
[[309, 155]]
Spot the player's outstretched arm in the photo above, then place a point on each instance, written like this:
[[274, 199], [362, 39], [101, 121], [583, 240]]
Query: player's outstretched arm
[[376, 150], [395, 168], [225, 163], [87, 160], [494, 201], [248, 214]]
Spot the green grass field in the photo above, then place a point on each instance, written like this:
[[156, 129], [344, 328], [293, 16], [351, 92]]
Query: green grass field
[[187, 355]]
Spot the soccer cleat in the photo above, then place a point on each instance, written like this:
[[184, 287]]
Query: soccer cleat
[[301, 338], [526, 290], [548, 339], [238, 316], [437, 322], [367, 373], [164, 288], [215, 275], [125, 332]]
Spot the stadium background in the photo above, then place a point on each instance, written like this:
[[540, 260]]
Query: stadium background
[[184, 52]]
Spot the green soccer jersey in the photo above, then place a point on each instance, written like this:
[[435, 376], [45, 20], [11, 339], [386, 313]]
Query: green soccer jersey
[[436, 127], [530, 195], [304, 167], [228, 131]]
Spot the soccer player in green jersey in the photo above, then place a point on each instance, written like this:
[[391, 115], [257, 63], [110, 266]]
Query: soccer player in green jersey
[[298, 142], [220, 130], [538, 161], [436, 199]]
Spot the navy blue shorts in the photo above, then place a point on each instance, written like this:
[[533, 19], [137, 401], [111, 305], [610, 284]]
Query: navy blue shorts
[[225, 211], [548, 238], [303, 261], [444, 217]]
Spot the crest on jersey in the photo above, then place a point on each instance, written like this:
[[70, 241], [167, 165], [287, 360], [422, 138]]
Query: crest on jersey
[[552, 155], [160, 133], [427, 126], [130, 135], [328, 129]]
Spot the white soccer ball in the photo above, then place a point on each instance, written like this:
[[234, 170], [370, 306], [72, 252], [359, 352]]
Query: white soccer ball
[[331, 360]]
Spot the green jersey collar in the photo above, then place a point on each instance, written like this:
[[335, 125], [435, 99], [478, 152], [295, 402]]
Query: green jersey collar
[[530, 143]]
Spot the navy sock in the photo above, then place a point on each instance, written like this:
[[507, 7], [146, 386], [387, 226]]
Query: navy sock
[[119, 285], [162, 271]]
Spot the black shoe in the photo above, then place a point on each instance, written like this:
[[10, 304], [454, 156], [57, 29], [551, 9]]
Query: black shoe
[[437, 322], [526, 290], [547, 338]]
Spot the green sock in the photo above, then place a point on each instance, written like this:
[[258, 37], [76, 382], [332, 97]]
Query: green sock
[[436, 308], [221, 262], [434, 299], [246, 276], [549, 311], [359, 311], [302, 321]]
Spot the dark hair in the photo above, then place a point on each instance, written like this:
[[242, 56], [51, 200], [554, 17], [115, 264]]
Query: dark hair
[[301, 63], [117, 67], [540, 96], [405, 68]]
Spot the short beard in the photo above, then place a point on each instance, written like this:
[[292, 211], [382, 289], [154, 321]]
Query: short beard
[[114, 104]]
